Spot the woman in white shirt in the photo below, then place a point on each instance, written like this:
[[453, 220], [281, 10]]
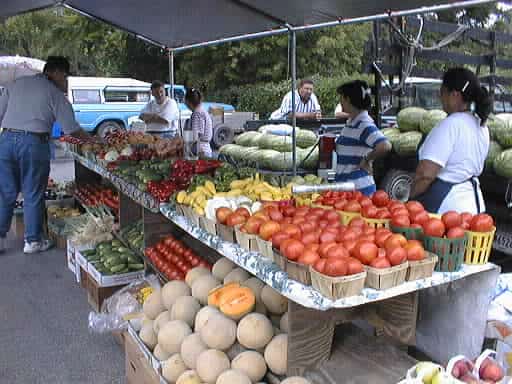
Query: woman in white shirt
[[453, 154]]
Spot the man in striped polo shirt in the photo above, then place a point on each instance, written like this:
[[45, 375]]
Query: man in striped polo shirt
[[306, 103]]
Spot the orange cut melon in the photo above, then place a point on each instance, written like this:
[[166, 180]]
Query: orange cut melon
[[215, 294], [237, 302]]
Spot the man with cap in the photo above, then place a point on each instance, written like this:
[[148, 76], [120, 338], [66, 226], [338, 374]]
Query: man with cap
[[29, 106]]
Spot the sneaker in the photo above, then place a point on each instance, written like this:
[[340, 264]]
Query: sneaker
[[2, 244], [37, 246]]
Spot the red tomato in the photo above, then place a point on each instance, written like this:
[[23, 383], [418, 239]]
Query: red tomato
[[380, 238], [244, 212], [369, 231], [382, 253], [414, 207], [400, 212], [380, 263], [292, 229], [312, 247], [420, 217], [289, 211], [482, 223], [354, 266], [456, 233], [323, 224], [365, 201], [307, 226], [340, 205], [268, 228], [415, 250], [331, 215], [222, 214], [357, 222], [319, 266], [380, 199], [309, 257], [369, 211], [394, 205], [451, 219], [401, 221], [335, 267], [252, 225], [235, 219], [395, 240], [434, 228], [396, 255], [350, 246], [417, 226], [383, 213], [328, 237], [310, 238], [369, 238], [278, 238], [338, 251], [293, 250], [352, 206], [466, 217], [365, 251], [275, 215], [324, 248], [349, 235]]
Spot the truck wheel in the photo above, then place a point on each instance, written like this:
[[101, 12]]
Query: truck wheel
[[108, 127], [397, 184], [222, 134]]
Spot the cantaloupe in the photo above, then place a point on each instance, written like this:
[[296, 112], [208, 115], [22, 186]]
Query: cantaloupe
[[237, 275], [256, 286], [194, 273], [219, 332], [215, 294], [148, 336], [172, 290], [295, 380], [153, 306], [233, 377], [222, 267], [211, 364], [173, 367], [146, 321], [276, 354], [202, 317], [185, 308], [189, 377], [273, 300], [191, 348], [283, 323], [276, 320], [160, 320], [252, 364], [235, 350], [254, 331], [172, 334], [202, 286], [160, 353], [237, 303]]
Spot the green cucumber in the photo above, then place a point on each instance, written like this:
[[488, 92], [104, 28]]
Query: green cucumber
[[136, 267], [117, 268], [122, 271]]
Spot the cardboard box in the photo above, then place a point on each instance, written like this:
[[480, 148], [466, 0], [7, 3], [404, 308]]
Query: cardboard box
[[138, 369], [70, 256], [59, 240], [82, 265], [113, 280], [17, 225], [96, 294]]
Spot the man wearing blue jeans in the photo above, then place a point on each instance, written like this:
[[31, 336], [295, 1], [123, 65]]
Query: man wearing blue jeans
[[28, 108]]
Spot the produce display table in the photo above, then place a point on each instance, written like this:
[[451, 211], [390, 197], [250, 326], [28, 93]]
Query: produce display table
[[441, 316]]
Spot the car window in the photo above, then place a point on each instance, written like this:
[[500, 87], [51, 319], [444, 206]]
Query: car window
[[86, 96], [126, 96]]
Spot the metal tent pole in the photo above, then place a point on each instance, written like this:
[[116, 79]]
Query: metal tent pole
[[293, 54], [171, 72]]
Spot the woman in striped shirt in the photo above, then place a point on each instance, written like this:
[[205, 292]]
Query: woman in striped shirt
[[360, 141], [200, 122]]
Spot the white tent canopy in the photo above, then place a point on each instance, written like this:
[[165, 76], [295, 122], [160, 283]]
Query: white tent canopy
[[13, 67], [174, 23]]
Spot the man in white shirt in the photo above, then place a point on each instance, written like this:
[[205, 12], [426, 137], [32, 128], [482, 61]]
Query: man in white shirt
[[161, 113], [306, 104]]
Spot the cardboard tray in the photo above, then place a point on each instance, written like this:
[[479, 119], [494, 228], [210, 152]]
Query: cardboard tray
[[113, 280], [422, 269], [387, 277], [246, 241], [336, 288], [265, 248]]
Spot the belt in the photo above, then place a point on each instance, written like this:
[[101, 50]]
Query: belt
[[40, 134]]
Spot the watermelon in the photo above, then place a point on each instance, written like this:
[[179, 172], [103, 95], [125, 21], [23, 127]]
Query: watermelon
[[494, 150], [502, 129], [305, 138], [407, 143], [391, 134], [409, 119], [312, 161], [265, 158], [246, 139], [431, 119], [228, 149], [267, 141], [503, 164]]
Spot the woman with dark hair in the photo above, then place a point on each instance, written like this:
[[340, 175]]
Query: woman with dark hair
[[453, 154], [360, 141], [200, 122]]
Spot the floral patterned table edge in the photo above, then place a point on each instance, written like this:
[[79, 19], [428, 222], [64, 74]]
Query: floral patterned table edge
[[304, 295]]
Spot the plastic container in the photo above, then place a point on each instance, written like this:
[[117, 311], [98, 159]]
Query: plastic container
[[450, 252], [409, 233], [479, 246], [336, 288], [423, 268], [346, 217], [377, 223], [385, 278]]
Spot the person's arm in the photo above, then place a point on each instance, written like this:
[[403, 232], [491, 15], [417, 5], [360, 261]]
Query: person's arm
[[380, 145], [4, 99], [65, 116], [168, 114], [426, 173], [339, 114], [303, 115]]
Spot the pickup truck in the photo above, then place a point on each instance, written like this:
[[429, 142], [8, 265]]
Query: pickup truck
[[103, 104]]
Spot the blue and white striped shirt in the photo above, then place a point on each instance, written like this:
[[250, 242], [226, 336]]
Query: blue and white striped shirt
[[356, 140], [312, 105]]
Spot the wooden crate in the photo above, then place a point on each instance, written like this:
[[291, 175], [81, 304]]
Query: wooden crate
[[59, 240], [297, 271], [338, 287], [265, 248], [246, 241], [226, 233], [387, 277], [422, 269]]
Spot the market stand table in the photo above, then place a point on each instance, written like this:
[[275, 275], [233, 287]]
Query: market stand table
[[441, 316]]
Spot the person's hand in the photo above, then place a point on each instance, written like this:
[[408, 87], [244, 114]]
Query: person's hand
[[318, 115], [366, 165]]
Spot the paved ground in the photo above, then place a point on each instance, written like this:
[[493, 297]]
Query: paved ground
[[43, 321]]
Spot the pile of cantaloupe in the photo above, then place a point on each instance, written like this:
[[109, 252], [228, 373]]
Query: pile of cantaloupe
[[218, 327]]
